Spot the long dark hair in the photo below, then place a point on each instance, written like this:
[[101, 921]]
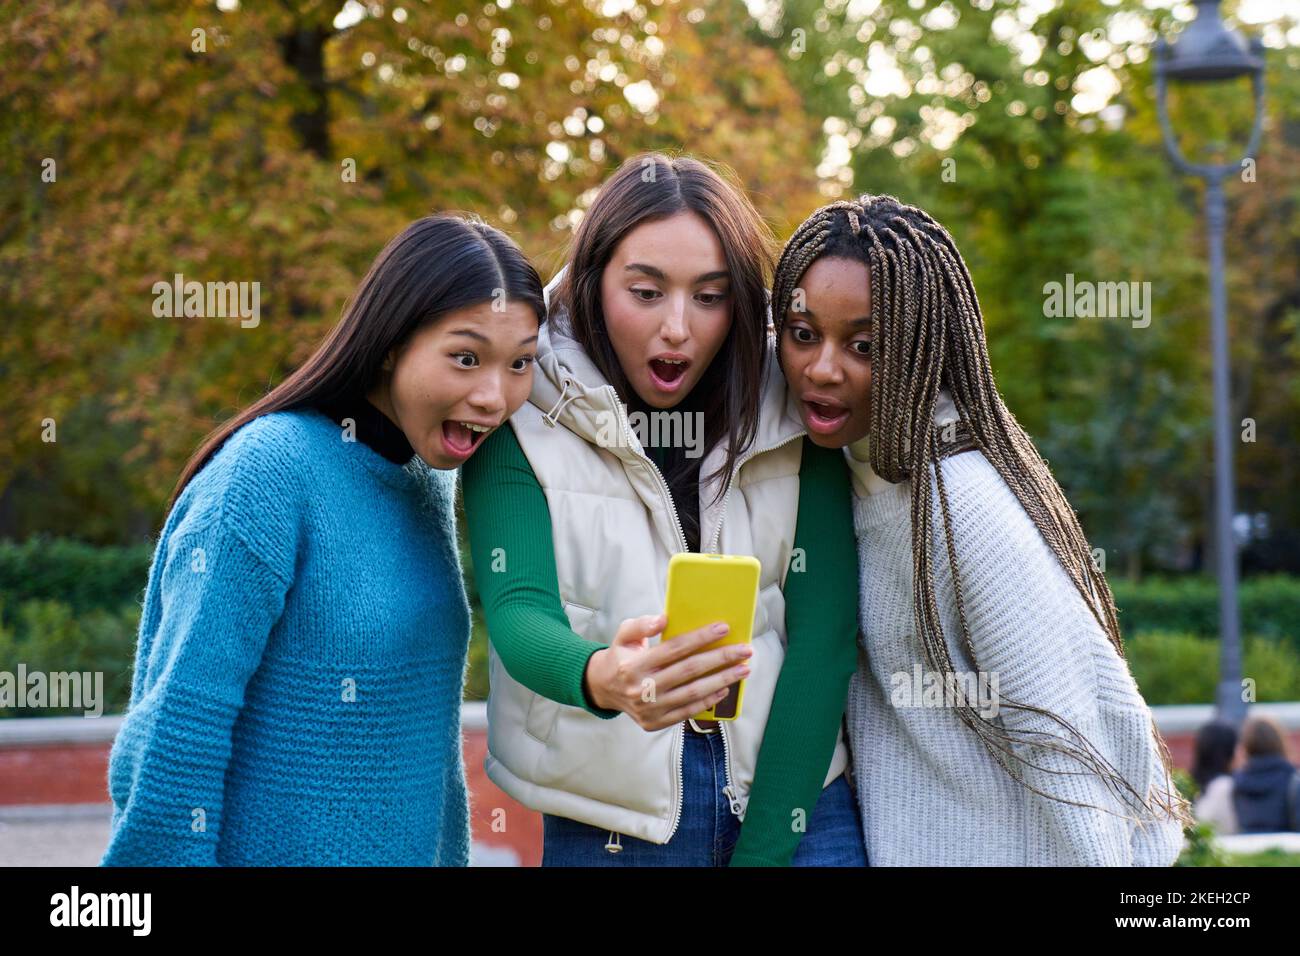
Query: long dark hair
[[927, 334], [645, 188], [1215, 744], [434, 266]]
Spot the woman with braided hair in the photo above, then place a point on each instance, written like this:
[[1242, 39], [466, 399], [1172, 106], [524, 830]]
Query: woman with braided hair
[[1027, 741]]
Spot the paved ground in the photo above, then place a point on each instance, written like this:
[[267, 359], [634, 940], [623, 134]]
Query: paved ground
[[77, 835], [53, 836]]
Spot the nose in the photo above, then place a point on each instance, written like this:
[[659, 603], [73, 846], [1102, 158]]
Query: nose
[[825, 368], [673, 328], [489, 395]]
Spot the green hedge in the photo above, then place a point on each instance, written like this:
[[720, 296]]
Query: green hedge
[[1270, 606], [1184, 668], [52, 637], [85, 576], [80, 575]]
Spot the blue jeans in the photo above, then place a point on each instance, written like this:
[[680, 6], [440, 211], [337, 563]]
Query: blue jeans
[[708, 830]]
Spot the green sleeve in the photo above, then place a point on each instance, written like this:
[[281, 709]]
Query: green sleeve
[[821, 617], [509, 529]]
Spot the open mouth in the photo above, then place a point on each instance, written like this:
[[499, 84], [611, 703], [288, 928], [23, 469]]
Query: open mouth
[[668, 373], [461, 438], [825, 417]]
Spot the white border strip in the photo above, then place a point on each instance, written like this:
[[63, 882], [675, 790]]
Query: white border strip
[[56, 812], [1188, 718], [43, 731], [28, 731]]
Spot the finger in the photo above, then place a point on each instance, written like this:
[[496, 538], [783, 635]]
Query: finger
[[700, 663], [695, 695], [636, 629], [678, 714], [683, 645]]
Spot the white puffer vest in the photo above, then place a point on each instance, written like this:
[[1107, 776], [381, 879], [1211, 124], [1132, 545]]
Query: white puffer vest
[[615, 528]]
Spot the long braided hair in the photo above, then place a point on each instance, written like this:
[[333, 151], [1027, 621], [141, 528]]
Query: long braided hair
[[927, 334]]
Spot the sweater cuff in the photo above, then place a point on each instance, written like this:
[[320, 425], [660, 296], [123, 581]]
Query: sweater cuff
[[587, 702]]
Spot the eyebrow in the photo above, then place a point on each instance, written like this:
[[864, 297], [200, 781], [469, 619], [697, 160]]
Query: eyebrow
[[864, 322], [658, 273], [483, 338]]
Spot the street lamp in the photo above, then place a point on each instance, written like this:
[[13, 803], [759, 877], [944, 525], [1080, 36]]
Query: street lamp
[[1207, 52]]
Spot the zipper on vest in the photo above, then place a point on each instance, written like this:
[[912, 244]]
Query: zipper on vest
[[681, 777], [730, 793], [730, 789], [682, 546], [722, 511], [663, 484]]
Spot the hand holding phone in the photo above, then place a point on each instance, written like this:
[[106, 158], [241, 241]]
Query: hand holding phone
[[704, 588], [663, 685]]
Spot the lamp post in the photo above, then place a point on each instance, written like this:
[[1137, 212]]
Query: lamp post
[[1208, 52]]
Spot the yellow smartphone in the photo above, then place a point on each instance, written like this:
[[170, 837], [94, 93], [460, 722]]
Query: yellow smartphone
[[703, 588]]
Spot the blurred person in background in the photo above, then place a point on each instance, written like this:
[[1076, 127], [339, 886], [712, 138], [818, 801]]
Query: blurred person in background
[[1266, 790], [1216, 743]]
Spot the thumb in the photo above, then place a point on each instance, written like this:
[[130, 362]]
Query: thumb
[[635, 630]]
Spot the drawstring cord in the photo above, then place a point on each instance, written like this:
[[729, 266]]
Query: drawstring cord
[[551, 417], [615, 842]]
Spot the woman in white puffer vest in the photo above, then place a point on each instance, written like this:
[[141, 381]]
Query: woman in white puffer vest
[[993, 719], [660, 317]]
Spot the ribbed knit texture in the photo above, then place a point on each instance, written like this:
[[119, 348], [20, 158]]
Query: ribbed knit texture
[[929, 791], [300, 665]]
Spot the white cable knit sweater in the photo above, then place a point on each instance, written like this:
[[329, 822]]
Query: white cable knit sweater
[[929, 791]]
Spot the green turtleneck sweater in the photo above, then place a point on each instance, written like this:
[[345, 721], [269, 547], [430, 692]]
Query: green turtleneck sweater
[[505, 507]]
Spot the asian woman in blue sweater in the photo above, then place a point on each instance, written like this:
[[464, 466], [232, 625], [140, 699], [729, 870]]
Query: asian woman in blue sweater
[[301, 656]]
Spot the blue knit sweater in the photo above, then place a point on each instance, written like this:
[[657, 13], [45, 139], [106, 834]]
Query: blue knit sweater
[[301, 659]]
